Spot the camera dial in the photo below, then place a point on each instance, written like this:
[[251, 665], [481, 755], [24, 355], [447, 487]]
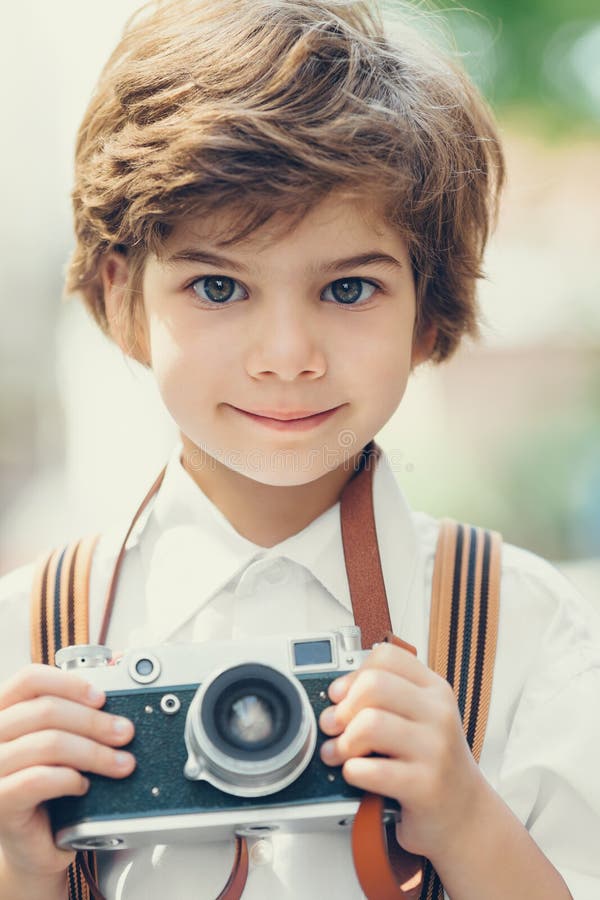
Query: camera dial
[[82, 656]]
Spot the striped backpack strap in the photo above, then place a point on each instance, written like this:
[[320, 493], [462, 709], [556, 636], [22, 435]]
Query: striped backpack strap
[[59, 618], [463, 632]]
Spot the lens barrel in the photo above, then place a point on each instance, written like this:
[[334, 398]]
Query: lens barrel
[[250, 730]]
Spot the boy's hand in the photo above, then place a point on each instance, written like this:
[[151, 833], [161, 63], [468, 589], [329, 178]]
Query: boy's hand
[[51, 730], [394, 705]]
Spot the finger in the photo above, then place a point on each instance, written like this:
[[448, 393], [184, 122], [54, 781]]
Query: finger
[[50, 712], [38, 680], [24, 790], [58, 748], [372, 731], [388, 777], [338, 689], [388, 657], [400, 661], [377, 689]]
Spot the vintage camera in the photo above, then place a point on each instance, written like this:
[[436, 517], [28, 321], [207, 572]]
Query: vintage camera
[[226, 742]]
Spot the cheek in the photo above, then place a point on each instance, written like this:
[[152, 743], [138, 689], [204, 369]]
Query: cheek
[[184, 363], [381, 359]]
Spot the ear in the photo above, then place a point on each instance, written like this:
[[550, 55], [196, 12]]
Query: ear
[[123, 323], [423, 346]]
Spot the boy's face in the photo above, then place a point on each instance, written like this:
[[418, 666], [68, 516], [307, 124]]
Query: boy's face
[[282, 329]]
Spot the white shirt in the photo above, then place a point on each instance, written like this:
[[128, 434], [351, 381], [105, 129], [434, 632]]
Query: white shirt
[[188, 575]]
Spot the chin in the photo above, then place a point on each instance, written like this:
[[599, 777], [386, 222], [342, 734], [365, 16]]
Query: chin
[[291, 475], [290, 468], [284, 466]]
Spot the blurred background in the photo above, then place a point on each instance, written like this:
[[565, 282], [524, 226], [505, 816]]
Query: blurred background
[[506, 435]]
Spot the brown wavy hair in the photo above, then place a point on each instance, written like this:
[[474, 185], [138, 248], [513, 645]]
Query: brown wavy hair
[[265, 106]]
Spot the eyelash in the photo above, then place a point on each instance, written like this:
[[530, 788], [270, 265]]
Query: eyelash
[[201, 301]]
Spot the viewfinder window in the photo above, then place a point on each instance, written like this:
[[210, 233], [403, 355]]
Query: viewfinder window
[[312, 653]]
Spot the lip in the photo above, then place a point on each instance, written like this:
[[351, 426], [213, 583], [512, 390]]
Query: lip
[[285, 415], [295, 420]]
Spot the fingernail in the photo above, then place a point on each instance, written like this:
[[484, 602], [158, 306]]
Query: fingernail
[[327, 751], [337, 689], [328, 717], [123, 760], [120, 727], [95, 695]]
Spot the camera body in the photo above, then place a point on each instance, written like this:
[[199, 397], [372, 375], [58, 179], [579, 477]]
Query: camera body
[[226, 742]]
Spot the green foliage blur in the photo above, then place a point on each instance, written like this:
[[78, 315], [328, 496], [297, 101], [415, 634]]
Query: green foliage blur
[[550, 485], [536, 61], [536, 479]]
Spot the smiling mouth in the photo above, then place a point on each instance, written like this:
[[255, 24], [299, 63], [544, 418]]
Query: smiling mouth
[[287, 416], [298, 420]]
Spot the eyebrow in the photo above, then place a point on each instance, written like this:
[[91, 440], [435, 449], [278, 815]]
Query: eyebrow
[[371, 257]]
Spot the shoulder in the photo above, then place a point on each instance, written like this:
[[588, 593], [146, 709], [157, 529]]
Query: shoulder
[[530, 585], [15, 600], [521, 570], [16, 586], [544, 621]]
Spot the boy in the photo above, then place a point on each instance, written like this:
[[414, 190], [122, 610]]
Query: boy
[[281, 213]]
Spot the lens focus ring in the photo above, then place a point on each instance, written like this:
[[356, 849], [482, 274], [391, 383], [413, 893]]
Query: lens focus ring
[[250, 730]]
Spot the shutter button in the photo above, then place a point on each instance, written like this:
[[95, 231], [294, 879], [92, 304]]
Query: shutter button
[[262, 852]]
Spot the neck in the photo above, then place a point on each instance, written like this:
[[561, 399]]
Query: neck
[[263, 513]]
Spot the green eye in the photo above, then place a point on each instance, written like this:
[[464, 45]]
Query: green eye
[[220, 289], [214, 288], [349, 291]]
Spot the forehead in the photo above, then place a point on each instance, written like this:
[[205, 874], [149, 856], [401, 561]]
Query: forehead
[[341, 219]]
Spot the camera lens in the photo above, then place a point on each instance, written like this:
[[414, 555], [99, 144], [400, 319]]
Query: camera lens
[[250, 730], [251, 716], [248, 711], [250, 720]]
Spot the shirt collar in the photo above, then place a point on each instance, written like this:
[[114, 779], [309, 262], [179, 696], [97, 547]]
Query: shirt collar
[[190, 551]]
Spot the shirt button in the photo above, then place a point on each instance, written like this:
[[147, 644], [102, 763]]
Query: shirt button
[[261, 853], [275, 574]]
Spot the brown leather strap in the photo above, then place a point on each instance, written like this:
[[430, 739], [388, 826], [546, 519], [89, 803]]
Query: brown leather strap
[[112, 588], [463, 635], [361, 553], [385, 870], [236, 882]]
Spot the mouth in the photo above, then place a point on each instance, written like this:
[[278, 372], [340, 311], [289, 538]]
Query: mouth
[[296, 420]]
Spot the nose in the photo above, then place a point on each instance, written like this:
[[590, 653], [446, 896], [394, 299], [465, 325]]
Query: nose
[[284, 341]]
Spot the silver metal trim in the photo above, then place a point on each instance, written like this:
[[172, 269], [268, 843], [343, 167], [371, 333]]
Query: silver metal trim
[[248, 778], [207, 827], [82, 656]]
